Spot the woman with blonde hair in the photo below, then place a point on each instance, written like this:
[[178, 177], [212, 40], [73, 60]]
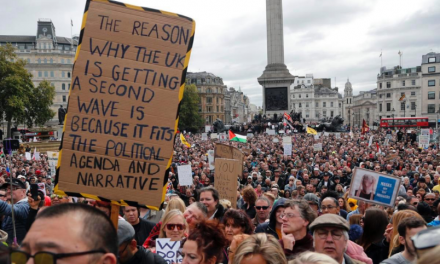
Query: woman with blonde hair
[[258, 248], [313, 258], [174, 204], [366, 188], [173, 227], [392, 233]]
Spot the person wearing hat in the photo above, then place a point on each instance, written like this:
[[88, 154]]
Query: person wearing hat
[[421, 184], [326, 182], [313, 201], [129, 251], [21, 210], [330, 235], [250, 182], [278, 178]]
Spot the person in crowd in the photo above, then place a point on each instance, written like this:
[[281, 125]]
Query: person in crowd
[[313, 201], [141, 227], [393, 236], [59, 199], [209, 196], [204, 244], [291, 185], [273, 227], [407, 228], [342, 204], [235, 222], [375, 222], [330, 204], [21, 210], [313, 258], [249, 197], [258, 248], [51, 239], [294, 236], [361, 207], [330, 236], [425, 211], [129, 252], [263, 208]]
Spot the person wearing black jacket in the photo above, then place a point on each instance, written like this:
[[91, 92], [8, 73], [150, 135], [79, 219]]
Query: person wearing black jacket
[[129, 251], [141, 227], [273, 227]]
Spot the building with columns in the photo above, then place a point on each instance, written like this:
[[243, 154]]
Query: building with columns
[[364, 107], [314, 98], [237, 106], [49, 57]]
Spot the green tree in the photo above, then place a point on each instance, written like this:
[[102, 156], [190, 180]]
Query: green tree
[[189, 117], [18, 94], [39, 111]]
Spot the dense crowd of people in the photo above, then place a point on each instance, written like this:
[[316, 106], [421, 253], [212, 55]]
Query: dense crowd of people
[[291, 207]]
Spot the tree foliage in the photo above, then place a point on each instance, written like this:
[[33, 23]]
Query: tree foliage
[[19, 98], [189, 117]]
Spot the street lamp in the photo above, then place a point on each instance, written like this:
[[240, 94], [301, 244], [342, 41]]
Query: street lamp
[[393, 117]]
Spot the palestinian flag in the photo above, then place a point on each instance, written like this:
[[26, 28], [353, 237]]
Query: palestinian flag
[[238, 138]]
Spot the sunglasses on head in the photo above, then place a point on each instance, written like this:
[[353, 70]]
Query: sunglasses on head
[[261, 207], [172, 226]]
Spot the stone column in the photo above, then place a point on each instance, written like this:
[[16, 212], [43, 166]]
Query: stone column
[[275, 40]]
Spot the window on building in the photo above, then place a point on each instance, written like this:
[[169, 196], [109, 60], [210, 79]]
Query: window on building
[[413, 82], [39, 60], [28, 60], [208, 109], [293, 106], [45, 60], [431, 83], [388, 84], [209, 100], [51, 60], [340, 105], [316, 104], [388, 95], [413, 93], [299, 105], [431, 69], [431, 95], [380, 85], [199, 90], [68, 74], [46, 74], [324, 104], [62, 61], [413, 105], [63, 86], [324, 113], [402, 106], [68, 86], [403, 83], [380, 95], [307, 95], [217, 109], [51, 74], [331, 104], [216, 99], [307, 104], [388, 106], [39, 74], [431, 108], [44, 45], [64, 98], [380, 107], [299, 96], [208, 90], [431, 60], [317, 115], [68, 61], [63, 74]]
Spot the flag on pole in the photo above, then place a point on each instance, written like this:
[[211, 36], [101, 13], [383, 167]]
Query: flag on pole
[[402, 97], [238, 138], [365, 127], [71, 22], [380, 54], [400, 53], [378, 148], [35, 153], [182, 138], [311, 131]]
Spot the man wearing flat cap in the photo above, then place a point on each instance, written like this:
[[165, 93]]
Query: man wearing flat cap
[[330, 234]]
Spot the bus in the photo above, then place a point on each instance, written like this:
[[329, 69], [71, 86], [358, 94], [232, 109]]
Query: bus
[[404, 122]]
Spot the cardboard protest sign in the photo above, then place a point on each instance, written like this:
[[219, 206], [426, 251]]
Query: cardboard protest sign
[[204, 136], [185, 175], [374, 187], [211, 159], [226, 174], [127, 83], [169, 250], [287, 149], [227, 152], [287, 140]]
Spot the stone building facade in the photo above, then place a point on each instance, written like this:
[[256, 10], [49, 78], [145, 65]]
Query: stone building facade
[[431, 86], [237, 106], [212, 92], [49, 57]]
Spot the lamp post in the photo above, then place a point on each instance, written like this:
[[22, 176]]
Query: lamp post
[[436, 127], [393, 117]]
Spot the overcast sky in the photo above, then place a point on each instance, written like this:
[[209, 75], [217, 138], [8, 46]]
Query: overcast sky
[[329, 38]]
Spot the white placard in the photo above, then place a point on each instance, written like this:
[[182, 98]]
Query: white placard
[[211, 159], [287, 149], [424, 141], [169, 250], [223, 137], [371, 141], [214, 136], [28, 156], [250, 135], [316, 136], [287, 140], [275, 140], [204, 136], [270, 132], [185, 175], [326, 134], [207, 129], [281, 131], [338, 135], [387, 141], [425, 131], [317, 147]]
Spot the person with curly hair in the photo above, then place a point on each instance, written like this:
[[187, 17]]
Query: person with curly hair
[[236, 222], [204, 244], [249, 197]]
